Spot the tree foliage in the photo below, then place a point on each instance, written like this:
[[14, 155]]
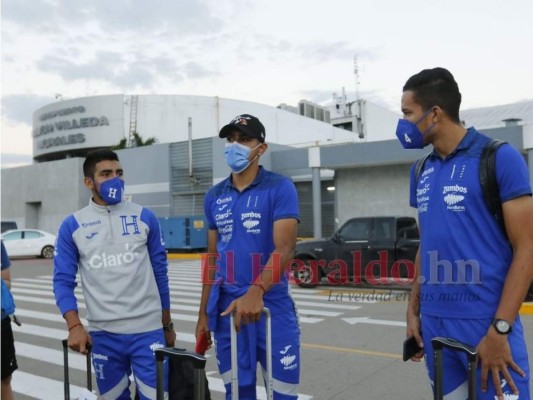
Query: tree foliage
[[137, 141]]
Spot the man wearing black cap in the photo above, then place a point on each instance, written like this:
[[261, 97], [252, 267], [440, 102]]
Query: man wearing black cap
[[252, 217]]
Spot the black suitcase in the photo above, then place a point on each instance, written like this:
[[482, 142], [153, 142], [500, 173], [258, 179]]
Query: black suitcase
[[440, 343], [187, 378], [66, 373]]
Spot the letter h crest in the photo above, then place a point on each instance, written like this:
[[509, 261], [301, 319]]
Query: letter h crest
[[126, 225]]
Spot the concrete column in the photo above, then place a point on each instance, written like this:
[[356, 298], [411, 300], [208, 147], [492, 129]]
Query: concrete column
[[314, 163]]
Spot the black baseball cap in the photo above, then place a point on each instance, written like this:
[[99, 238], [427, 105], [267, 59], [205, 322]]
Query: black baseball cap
[[247, 124]]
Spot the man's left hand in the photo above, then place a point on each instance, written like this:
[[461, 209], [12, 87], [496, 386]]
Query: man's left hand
[[495, 356], [248, 308]]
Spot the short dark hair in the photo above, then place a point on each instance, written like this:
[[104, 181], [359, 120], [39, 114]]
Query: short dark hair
[[94, 157], [436, 87]]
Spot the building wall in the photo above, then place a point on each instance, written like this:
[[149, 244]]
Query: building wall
[[42, 195], [369, 191], [166, 117], [147, 176]]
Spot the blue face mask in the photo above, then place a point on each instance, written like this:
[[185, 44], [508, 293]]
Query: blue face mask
[[409, 135], [236, 156], [111, 191]]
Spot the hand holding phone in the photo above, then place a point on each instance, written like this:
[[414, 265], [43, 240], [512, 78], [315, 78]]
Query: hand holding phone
[[202, 344], [410, 348]]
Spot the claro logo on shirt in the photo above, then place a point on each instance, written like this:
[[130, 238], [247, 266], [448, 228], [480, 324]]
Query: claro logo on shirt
[[105, 260]]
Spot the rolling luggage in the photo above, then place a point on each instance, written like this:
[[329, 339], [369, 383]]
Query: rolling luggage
[[440, 343], [66, 383], [234, 364], [181, 362]]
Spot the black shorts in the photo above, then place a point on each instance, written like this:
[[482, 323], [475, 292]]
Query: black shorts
[[9, 361]]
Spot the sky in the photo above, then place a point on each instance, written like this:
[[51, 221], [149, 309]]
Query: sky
[[266, 51]]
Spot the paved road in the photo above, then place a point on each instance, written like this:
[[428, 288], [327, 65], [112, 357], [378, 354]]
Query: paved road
[[351, 338]]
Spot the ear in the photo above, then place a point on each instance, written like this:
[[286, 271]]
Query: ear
[[89, 183], [263, 148], [438, 114]]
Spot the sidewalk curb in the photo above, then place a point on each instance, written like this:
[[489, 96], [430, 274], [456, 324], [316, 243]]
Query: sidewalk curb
[[527, 308], [184, 256]]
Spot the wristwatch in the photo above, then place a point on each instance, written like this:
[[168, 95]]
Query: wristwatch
[[502, 326], [169, 326]]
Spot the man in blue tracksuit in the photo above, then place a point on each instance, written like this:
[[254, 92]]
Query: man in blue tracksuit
[[472, 276], [117, 248], [253, 218]]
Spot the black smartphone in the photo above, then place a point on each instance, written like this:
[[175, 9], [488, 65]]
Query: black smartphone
[[410, 348]]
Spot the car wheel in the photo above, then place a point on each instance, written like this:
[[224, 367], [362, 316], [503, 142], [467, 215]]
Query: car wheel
[[306, 276], [47, 252]]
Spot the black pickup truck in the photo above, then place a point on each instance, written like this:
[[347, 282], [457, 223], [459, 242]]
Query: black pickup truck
[[373, 250]]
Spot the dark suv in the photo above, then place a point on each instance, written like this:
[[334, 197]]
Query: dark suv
[[8, 225]]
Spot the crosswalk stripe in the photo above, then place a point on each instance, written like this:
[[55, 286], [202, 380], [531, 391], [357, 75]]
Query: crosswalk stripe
[[319, 312], [41, 331], [16, 290], [40, 387], [21, 312], [33, 280], [327, 305], [75, 360], [30, 299], [309, 320]]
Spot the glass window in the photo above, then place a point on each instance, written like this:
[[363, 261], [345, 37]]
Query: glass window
[[12, 236], [383, 229], [32, 235], [356, 230], [407, 230]]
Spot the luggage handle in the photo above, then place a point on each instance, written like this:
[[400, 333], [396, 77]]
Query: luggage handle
[[234, 363], [66, 384], [439, 343], [198, 362]]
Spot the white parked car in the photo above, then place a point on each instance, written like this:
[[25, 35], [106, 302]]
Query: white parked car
[[29, 242]]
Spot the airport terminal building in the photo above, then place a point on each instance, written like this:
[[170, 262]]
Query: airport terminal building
[[344, 159]]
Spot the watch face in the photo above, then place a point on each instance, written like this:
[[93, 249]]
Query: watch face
[[169, 326], [502, 326]]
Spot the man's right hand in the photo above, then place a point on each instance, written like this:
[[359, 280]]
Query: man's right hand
[[78, 338], [413, 329]]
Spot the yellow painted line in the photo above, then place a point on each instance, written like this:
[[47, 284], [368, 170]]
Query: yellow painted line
[[526, 309], [353, 351], [184, 256]]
